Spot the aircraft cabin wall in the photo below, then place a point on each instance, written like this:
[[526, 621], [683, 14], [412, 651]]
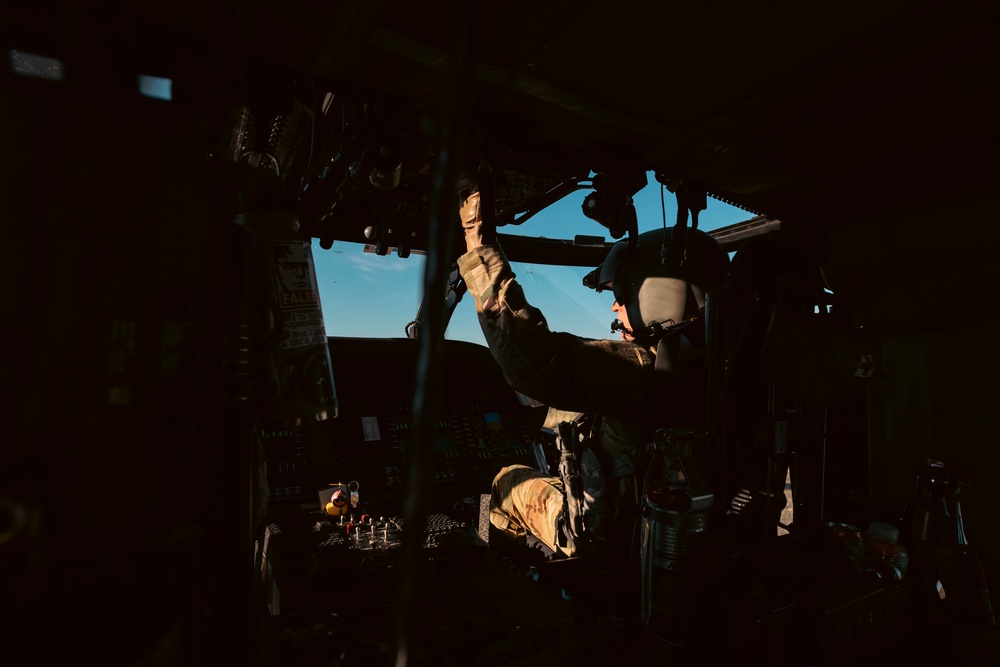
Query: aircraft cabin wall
[[923, 273]]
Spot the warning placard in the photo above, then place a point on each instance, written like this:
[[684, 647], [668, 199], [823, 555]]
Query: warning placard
[[297, 295]]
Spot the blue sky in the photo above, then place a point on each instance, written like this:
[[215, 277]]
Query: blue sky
[[363, 294]]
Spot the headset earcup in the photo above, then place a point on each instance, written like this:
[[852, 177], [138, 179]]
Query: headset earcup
[[622, 292]]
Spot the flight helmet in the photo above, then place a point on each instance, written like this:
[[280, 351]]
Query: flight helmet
[[661, 277]]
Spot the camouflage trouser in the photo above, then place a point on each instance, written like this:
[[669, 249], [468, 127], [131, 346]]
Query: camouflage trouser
[[525, 499]]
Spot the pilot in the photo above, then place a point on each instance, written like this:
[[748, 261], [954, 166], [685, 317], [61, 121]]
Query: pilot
[[615, 392]]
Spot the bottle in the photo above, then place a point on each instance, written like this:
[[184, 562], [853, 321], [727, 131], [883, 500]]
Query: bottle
[[676, 506]]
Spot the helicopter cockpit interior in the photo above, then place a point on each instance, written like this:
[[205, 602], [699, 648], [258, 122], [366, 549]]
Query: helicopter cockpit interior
[[216, 453]]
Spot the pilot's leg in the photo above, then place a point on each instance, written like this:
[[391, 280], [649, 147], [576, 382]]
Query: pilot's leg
[[525, 499]]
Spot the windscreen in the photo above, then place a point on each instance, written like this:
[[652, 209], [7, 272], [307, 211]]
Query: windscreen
[[365, 294]]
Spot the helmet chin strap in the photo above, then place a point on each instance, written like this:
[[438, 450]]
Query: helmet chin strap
[[650, 331], [654, 330]]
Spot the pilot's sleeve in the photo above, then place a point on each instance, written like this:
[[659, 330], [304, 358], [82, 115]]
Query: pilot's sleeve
[[559, 369]]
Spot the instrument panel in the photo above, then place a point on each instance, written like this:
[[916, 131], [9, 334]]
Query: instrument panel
[[481, 427]]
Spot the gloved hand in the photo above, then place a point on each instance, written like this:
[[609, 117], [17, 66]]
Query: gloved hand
[[479, 229]]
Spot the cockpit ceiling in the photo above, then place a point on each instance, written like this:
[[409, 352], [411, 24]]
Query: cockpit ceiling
[[804, 113]]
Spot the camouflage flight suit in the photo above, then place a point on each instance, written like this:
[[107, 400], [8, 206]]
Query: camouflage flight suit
[[613, 380]]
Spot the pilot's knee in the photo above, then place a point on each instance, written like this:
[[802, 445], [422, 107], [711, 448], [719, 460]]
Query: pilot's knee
[[508, 471], [505, 480]]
